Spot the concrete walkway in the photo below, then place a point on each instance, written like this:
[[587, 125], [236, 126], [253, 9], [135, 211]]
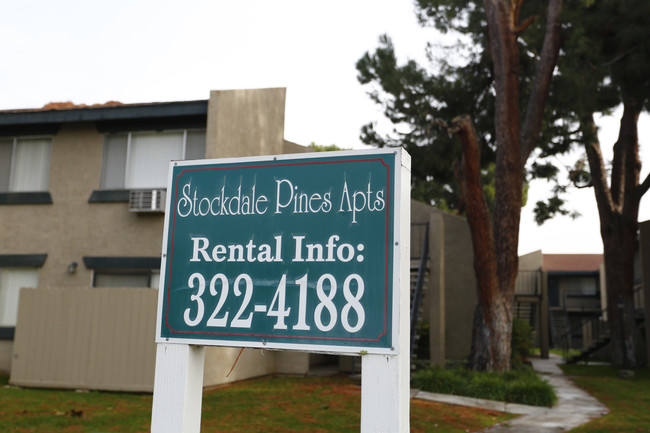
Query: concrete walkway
[[574, 406]]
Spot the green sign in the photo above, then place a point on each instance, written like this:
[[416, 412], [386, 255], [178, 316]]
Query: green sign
[[294, 252]]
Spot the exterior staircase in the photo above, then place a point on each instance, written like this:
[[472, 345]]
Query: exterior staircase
[[592, 348], [525, 308], [560, 331], [419, 277], [596, 334]]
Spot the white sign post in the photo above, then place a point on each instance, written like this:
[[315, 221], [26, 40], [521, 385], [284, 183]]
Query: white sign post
[[178, 388], [324, 267], [385, 380]]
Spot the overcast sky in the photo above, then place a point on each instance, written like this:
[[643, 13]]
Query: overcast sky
[[149, 51]]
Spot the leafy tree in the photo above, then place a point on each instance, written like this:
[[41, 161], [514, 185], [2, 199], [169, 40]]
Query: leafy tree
[[508, 65], [609, 66], [324, 148]]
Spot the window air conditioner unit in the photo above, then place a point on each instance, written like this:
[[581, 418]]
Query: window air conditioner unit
[[147, 200]]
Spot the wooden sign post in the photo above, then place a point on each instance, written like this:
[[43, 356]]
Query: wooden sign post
[[304, 252]]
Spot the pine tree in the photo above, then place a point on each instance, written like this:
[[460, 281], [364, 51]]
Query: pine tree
[[523, 87]]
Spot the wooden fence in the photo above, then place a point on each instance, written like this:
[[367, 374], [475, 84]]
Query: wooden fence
[[85, 338], [103, 339]]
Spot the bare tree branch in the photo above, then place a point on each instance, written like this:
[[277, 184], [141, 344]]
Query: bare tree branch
[[597, 168], [630, 205], [618, 169], [525, 24], [615, 59], [643, 188], [440, 122], [541, 83]]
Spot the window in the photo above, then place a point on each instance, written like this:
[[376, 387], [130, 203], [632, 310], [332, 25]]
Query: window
[[11, 281], [141, 159], [25, 164], [124, 271], [581, 286], [124, 279]]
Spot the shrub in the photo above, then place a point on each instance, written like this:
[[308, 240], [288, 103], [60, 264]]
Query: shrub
[[486, 386], [441, 380], [534, 393], [520, 343], [521, 386]]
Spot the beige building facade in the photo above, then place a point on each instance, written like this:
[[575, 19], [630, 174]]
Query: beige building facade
[[67, 220], [82, 223], [84, 218]]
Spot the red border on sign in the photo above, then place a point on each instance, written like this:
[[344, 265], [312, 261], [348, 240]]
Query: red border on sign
[[266, 165]]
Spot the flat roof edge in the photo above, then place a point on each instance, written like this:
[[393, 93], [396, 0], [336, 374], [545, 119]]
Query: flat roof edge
[[91, 114]]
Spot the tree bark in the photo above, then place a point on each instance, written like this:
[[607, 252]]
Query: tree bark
[[618, 209]]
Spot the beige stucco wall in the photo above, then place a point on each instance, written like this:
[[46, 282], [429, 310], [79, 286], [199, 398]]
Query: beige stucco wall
[[460, 285], [245, 123], [240, 123], [72, 228], [287, 362], [451, 291], [220, 361], [222, 365], [290, 147], [531, 261]]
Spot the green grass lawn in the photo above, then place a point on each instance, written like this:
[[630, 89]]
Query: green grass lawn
[[627, 399], [269, 404]]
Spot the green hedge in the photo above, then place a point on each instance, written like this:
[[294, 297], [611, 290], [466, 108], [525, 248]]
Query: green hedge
[[516, 386]]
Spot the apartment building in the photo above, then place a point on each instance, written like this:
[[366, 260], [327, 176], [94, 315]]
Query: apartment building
[[82, 192]]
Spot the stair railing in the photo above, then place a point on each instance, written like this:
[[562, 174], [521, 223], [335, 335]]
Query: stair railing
[[599, 331], [419, 289]]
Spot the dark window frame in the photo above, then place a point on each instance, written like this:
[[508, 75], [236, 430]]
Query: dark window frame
[[22, 260], [125, 265], [109, 196], [15, 198]]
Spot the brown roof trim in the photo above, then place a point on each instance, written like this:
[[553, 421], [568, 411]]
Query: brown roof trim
[[571, 262]]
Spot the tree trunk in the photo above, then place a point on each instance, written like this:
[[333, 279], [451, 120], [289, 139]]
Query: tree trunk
[[619, 240], [493, 316], [491, 336], [495, 238], [618, 209]]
